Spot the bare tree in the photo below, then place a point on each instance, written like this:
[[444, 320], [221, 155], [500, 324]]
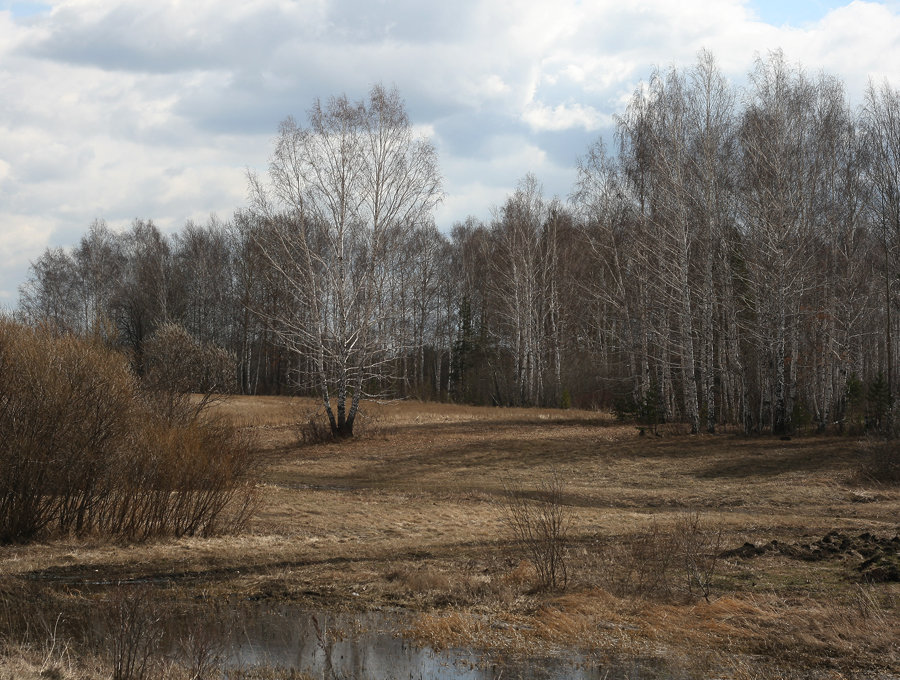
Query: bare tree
[[144, 299], [49, 294], [427, 246], [734, 261], [613, 285], [99, 262], [710, 120], [881, 120], [677, 135], [675, 232], [202, 267], [517, 279], [342, 192], [473, 374], [777, 181]]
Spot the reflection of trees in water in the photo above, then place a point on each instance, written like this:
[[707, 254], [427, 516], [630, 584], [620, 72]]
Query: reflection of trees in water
[[326, 644], [335, 646]]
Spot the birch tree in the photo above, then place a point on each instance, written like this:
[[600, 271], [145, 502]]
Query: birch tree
[[774, 137], [341, 191], [710, 118], [881, 120], [674, 229], [517, 286]]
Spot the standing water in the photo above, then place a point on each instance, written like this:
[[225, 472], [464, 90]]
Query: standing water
[[369, 646]]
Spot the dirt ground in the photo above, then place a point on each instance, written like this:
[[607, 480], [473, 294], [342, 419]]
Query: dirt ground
[[797, 572]]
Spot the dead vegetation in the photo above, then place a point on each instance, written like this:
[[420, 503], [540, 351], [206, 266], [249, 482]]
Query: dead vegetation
[[879, 463], [539, 524], [665, 545], [86, 450], [673, 561]]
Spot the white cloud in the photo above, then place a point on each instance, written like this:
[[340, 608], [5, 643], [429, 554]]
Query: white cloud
[[22, 239], [564, 116], [124, 108]]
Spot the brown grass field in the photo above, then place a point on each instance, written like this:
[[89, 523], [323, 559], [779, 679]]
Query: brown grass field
[[410, 515]]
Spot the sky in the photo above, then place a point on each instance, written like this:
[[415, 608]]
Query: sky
[[156, 109]]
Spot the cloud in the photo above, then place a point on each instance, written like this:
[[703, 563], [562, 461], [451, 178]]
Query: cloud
[[168, 36], [22, 239], [564, 116], [126, 108], [855, 42]]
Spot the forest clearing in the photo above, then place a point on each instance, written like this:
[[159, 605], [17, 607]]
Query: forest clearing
[[794, 570]]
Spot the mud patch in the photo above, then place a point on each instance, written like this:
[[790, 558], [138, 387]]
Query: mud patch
[[877, 559]]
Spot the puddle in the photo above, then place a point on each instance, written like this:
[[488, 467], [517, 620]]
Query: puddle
[[368, 646], [256, 636]]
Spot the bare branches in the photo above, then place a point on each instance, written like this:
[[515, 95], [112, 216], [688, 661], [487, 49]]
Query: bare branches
[[343, 193], [81, 451], [540, 522], [734, 260]]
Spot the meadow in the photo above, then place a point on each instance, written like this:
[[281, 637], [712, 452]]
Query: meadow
[[720, 555]]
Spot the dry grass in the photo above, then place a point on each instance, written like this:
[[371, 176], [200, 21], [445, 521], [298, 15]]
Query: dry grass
[[408, 517]]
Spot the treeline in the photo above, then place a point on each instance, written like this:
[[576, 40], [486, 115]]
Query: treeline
[[735, 259]]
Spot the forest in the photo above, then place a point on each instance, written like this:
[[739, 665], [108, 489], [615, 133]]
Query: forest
[[731, 259]]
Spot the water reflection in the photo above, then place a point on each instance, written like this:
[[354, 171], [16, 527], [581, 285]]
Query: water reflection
[[362, 646]]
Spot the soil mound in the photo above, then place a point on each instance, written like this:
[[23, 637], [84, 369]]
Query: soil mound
[[878, 559]]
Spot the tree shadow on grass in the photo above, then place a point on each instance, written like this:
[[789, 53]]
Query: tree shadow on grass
[[770, 458]]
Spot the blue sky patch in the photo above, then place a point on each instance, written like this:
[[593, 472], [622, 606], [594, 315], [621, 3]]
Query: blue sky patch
[[796, 13], [22, 9]]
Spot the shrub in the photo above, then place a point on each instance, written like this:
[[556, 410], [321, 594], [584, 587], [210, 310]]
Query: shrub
[[314, 428], [82, 451], [698, 546], [879, 463], [182, 375], [641, 564], [185, 480], [540, 525], [664, 561], [134, 630]]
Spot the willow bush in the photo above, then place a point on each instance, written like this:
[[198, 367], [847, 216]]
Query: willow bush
[[83, 451]]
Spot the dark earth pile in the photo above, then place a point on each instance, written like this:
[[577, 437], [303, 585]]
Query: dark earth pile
[[878, 559]]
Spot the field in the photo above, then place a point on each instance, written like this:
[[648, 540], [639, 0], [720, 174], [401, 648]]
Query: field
[[794, 571]]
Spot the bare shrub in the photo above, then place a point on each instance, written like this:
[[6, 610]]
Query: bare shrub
[[81, 450], [187, 479], [314, 428], [65, 408], [540, 522], [698, 546], [664, 560], [639, 565], [879, 463], [134, 632], [202, 645], [183, 375]]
